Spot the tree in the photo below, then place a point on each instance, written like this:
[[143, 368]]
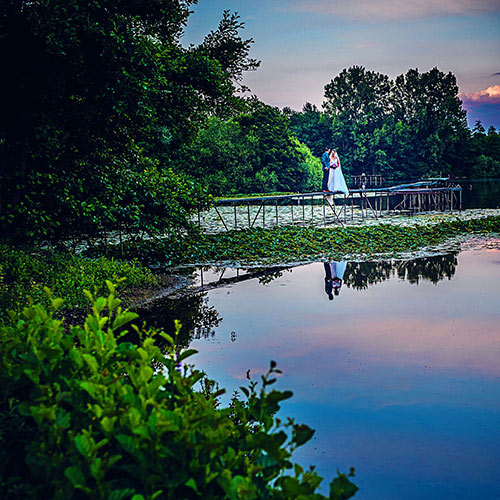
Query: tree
[[311, 127], [97, 97], [253, 152], [359, 97], [429, 104], [408, 128]]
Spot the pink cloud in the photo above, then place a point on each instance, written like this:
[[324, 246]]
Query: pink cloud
[[394, 9], [491, 95]]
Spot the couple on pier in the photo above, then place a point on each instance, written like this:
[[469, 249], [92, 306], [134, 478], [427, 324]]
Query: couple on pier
[[333, 178]]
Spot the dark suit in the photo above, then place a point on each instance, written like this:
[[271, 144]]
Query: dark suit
[[325, 164], [328, 278]]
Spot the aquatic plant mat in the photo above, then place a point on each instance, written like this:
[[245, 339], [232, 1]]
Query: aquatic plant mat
[[293, 244]]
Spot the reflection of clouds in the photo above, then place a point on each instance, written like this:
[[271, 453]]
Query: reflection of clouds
[[457, 344]]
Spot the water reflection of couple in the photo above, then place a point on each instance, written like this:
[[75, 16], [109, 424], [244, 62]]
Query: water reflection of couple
[[334, 276]]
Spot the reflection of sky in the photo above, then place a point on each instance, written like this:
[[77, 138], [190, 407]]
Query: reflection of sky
[[399, 380]]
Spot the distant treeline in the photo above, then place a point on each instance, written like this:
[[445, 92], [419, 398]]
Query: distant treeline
[[409, 128], [414, 126], [109, 123]]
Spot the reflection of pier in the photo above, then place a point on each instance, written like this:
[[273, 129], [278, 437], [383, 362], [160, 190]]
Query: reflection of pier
[[264, 275], [433, 195]]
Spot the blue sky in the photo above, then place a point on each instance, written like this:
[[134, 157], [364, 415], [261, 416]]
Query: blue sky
[[303, 44]]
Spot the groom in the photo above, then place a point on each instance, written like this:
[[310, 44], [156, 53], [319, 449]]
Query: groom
[[325, 164]]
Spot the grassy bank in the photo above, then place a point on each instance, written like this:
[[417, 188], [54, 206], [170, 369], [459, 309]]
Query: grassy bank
[[25, 273]]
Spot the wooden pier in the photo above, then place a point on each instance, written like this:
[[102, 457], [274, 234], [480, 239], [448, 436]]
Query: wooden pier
[[367, 181], [318, 208]]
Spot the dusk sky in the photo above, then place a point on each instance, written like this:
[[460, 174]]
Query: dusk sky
[[303, 44]]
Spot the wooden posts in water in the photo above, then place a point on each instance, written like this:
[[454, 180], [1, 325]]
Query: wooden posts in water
[[367, 181], [406, 199]]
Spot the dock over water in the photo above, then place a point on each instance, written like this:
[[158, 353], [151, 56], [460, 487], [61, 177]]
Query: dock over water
[[320, 208]]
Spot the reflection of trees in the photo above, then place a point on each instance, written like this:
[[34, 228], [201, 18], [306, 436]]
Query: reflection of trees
[[197, 318], [434, 268], [481, 194], [268, 277], [360, 275]]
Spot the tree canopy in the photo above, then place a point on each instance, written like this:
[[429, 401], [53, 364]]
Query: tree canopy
[[97, 97], [408, 128]]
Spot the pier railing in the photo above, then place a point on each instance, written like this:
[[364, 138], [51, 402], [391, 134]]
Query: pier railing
[[319, 208]]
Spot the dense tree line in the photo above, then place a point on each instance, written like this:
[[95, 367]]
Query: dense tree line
[[253, 152], [108, 122], [97, 98], [414, 126]]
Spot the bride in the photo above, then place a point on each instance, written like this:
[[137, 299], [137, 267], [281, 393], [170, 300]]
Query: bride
[[336, 181]]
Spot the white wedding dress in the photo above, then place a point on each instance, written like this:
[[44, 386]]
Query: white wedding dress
[[336, 181], [338, 269]]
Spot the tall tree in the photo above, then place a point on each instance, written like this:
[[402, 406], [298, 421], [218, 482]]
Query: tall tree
[[429, 103], [359, 97], [96, 95]]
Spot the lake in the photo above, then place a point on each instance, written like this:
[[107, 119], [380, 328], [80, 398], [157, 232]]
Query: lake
[[484, 193], [399, 373]]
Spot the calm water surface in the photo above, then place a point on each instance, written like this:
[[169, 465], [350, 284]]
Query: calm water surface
[[399, 374]]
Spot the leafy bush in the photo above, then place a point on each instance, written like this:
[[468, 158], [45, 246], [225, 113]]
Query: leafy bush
[[86, 413], [24, 273]]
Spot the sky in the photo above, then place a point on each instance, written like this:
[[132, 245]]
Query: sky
[[304, 44]]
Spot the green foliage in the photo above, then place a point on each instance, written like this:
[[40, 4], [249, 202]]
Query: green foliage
[[485, 153], [311, 127], [408, 128], [86, 413], [252, 152], [25, 273], [98, 97]]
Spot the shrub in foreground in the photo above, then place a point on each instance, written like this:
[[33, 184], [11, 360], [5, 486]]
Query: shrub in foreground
[[87, 413]]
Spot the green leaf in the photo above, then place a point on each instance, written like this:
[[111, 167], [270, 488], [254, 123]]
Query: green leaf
[[82, 444], [341, 488], [57, 303], [75, 476], [301, 434], [124, 318], [185, 354], [121, 494], [145, 374], [191, 483], [100, 304], [91, 362]]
